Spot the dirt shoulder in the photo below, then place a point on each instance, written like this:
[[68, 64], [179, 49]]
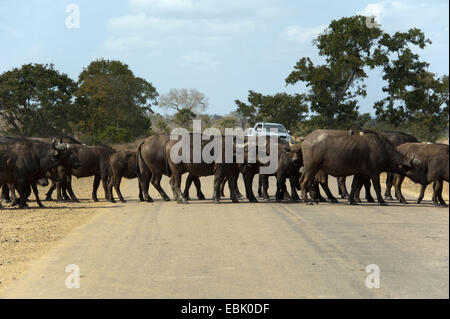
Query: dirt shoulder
[[28, 234]]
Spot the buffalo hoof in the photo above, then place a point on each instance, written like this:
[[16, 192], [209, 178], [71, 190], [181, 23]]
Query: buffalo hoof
[[149, 200], [334, 200], [24, 206], [113, 201], [123, 200], [41, 206], [49, 199], [383, 204], [253, 200], [419, 201], [201, 197], [403, 201], [75, 200], [95, 200], [370, 200], [187, 196], [167, 199], [388, 197], [354, 203], [239, 195]]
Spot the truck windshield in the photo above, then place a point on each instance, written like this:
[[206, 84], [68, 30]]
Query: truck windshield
[[279, 127]]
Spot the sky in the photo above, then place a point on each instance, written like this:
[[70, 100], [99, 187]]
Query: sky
[[221, 48]]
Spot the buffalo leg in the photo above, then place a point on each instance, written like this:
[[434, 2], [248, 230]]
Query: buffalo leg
[[156, 182], [48, 195], [68, 186], [248, 182], [95, 186], [398, 188], [307, 182], [36, 194], [141, 196], [281, 187], [389, 183], [355, 186], [175, 183], [293, 181], [187, 186], [437, 196], [5, 193], [259, 186], [319, 195], [59, 191], [110, 188], [198, 187], [265, 186], [144, 182], [222, 188], [357, 194], [24, 191], [232, 185], [366, 183], [342, 187], [377, 187], [117, 188], [422, 193]]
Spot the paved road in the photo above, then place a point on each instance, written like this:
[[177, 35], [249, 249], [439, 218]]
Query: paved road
[[263, 250]]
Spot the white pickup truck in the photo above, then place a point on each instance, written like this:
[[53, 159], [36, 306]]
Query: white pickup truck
[[268, 129]]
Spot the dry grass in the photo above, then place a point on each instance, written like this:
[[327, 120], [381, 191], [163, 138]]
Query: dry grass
[[28, 234]]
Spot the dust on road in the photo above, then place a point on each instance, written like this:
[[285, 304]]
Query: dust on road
[[27, 234]]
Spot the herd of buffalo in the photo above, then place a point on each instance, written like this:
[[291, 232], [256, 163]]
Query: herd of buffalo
[[27, 162]]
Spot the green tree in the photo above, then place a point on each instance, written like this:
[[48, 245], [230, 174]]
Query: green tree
[[416, 99], [110, 95], [183, 118], [160, 124], [36, 100], [281, 108], [348, 47], [228, 121]]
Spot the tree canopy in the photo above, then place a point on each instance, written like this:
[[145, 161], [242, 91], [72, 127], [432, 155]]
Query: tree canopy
[[110, 98], [282, 108], [36, 100]]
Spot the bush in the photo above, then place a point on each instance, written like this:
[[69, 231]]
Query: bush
[[113, 134]]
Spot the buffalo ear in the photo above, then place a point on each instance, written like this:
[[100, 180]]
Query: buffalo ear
[[411, 161]]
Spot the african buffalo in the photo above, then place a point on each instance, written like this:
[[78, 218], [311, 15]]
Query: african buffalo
[[152, 164], [429, 170], [94, 161], [217, 167], [23, 161], [122, 164], [364, 154]]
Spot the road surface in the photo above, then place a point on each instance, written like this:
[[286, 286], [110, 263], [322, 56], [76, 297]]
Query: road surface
[[262, 250]]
